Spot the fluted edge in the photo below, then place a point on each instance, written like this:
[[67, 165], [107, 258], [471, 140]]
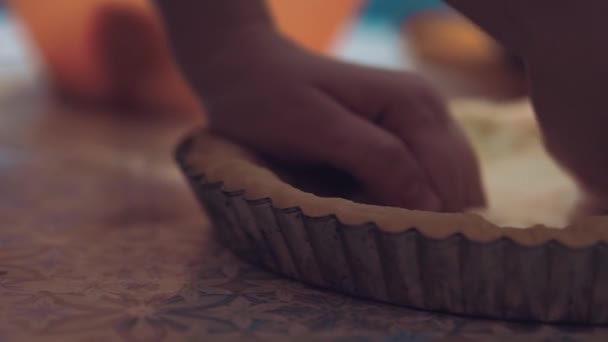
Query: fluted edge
[[502, 279]]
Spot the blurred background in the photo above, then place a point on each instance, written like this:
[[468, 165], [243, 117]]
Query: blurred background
[[72, 46]]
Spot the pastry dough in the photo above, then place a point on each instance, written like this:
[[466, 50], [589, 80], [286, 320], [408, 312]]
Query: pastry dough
[[523, 183], [455, 263]]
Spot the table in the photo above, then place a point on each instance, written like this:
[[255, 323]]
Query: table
[[101, 240]]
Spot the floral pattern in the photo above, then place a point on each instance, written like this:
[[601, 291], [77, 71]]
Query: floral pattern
[[101, 240]]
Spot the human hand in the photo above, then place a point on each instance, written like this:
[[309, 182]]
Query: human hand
[[564, 48], [388, 130]]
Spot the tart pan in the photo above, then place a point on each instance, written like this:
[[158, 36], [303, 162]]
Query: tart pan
[[448, 263]]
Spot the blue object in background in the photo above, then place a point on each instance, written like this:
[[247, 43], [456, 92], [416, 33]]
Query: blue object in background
[[395, 12], [376, 38]]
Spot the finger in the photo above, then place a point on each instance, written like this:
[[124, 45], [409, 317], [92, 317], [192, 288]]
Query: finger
[[366, 89], [443, 152], [411, 110], [381, 162], [378, 160], [446, 155], [320, 131]]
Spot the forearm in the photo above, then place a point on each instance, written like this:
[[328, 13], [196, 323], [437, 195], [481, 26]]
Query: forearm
[[199, 28], [570, 100]]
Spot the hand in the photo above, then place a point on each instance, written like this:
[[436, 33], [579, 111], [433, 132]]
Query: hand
[[564, 48], [389, 130]]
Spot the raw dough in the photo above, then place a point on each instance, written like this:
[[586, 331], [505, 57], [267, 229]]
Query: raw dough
[[524, 185]]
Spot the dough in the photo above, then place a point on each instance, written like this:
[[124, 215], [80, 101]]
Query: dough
[[525, 187]]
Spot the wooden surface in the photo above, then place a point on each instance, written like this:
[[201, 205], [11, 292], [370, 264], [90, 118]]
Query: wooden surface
[[101, 240]]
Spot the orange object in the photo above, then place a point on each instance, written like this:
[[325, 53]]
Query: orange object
[[461, 59], [115, 51], [107, 51], [313, 23]]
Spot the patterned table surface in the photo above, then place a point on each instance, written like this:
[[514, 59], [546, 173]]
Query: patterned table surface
[[101, 240]]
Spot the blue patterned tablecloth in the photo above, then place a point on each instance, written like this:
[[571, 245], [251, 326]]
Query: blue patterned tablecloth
[[101, 240]]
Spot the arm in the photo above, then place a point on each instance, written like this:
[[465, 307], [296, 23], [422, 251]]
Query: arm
[[568, 71], [200, 28], [563, 44], [388, 130]]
